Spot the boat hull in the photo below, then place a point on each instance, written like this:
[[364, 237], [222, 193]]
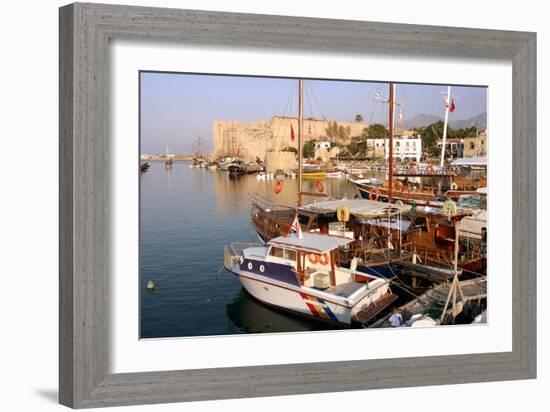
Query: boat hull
[[306, 302], [299, 303]]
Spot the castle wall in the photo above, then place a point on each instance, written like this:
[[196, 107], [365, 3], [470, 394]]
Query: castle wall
[[255, 139]]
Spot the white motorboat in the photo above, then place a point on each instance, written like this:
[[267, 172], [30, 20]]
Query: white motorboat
[[301, 275]]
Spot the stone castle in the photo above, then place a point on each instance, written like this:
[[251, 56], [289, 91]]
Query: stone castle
[[255, 139]]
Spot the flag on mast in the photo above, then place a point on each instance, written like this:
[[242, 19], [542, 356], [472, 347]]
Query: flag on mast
[[296, 227], [400, 119], [452, 107], [291, 132]]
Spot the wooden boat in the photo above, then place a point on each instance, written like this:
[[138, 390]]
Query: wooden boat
[[432, 237], [408, 193], [368, 227], [302, 275], [427, 309], [313, 174]]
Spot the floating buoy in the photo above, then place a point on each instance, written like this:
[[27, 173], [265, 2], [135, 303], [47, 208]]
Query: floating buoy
[[320, 186], [150, 286], [278, 187]]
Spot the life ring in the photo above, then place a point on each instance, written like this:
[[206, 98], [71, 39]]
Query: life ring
[[278, 187], [454, 186], [323, 259], [412, 169], [430, 170], [342, 213], [320, 186], [449, 208], [406, 190], [312, 258]]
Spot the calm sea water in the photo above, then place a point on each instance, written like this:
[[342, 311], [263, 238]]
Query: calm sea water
[[187, 216]]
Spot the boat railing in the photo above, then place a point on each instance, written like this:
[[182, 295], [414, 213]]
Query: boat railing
[[266, 204], [236, 249]]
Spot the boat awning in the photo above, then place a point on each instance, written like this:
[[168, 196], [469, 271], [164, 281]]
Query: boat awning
[[311, 242], [402, 225], [470, 161], [362, 208]]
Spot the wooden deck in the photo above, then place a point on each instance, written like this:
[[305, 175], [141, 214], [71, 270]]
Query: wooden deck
[[432, 302], [371, 311]]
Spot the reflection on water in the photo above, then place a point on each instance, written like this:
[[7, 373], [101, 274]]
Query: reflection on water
[[186, 217], [249, 316]]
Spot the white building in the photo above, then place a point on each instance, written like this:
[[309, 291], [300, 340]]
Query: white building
[[322, 145], [404, 148]]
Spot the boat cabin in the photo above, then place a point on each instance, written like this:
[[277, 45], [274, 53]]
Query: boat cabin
[[311, 261]]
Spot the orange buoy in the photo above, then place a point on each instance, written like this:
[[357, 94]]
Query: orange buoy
[[320, 186], [278, 187]]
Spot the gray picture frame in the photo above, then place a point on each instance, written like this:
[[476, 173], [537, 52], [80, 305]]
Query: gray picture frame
[[85, 32]]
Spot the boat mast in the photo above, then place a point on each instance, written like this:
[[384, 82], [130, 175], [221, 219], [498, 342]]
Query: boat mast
[[390, 136], [447, 104], [300, 150]]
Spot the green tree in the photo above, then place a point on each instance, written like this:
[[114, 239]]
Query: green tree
[[376, 131], [358, 118], [290, 149], [357, 146], [432, 133], [308, 150]]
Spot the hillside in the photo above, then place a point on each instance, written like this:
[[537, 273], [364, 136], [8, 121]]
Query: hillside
[[422, 120]]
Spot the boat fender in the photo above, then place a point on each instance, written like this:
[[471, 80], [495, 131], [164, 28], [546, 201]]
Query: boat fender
[[278, 187], [376, 193]]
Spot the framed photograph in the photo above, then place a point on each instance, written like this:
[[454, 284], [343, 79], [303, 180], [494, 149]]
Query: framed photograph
[[257, 205]]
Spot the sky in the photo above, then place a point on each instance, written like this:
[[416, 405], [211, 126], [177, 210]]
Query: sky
[[177, 108]]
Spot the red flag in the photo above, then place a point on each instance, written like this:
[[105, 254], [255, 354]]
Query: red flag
[[296, 227], [452, 108], [291, 132]]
